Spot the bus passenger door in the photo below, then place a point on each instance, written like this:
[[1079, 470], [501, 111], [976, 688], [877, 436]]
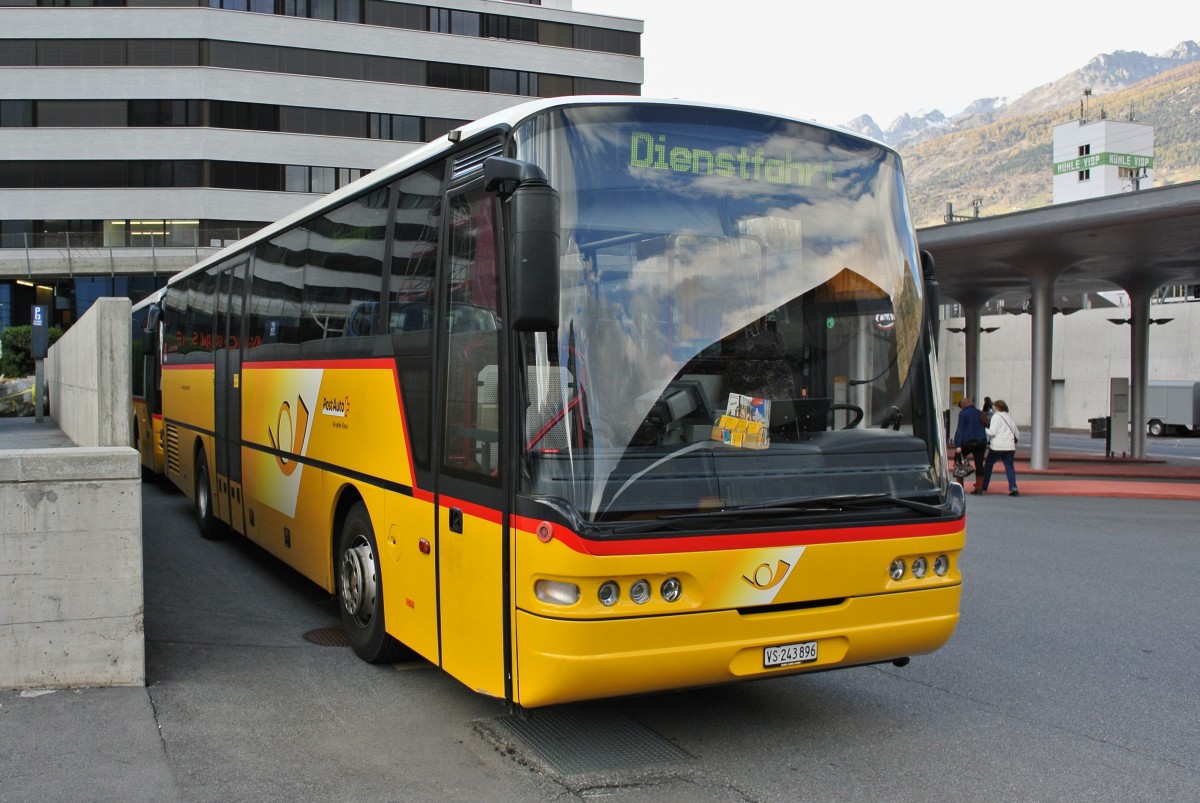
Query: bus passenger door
[[472, 524], [227, 370]]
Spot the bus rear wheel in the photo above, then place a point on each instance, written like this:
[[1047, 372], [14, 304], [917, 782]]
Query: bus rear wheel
[[210, 528], [360, 590]]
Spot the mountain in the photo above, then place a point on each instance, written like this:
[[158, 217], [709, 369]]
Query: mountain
[[1104, 74], [1006, 161]]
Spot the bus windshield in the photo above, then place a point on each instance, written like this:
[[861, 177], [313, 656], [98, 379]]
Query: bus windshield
[[741, 318]]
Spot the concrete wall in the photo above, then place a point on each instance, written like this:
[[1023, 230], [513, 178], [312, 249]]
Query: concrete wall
[[1088, 351], [71, 590], [88, 376], [71, 593]]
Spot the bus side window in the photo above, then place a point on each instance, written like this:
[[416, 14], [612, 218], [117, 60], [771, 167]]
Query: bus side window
[[275, 291], [174, 313], [196, 335], [411, 314], [343, 274], [471, 289]]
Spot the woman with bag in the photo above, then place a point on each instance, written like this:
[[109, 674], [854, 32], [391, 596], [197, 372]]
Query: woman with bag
[[1003, 435]]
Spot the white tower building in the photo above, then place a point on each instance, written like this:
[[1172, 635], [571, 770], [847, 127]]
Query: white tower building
[[1101, 157]]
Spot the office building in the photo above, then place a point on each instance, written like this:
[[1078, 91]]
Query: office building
[[136, 136]]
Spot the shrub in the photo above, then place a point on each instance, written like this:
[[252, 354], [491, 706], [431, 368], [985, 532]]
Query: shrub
[[16, 360]]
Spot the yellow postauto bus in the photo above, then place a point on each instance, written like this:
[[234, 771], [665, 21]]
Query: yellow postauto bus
[[591, 397], [146, 375]]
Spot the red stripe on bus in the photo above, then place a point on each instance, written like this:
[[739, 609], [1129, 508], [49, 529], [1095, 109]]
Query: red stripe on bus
[[712, 543], [471, 509]]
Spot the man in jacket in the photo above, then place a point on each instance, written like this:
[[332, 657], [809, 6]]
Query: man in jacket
[[970, 438]]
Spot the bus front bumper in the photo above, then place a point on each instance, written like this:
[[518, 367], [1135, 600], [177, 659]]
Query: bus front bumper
[[561, 660]]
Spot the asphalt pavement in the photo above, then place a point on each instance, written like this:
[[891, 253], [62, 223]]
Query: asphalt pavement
[[173, 739]]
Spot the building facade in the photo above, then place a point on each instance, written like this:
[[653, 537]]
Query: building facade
[[136, 136]]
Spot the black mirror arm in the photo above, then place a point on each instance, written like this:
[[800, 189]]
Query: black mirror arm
[[502, 175]]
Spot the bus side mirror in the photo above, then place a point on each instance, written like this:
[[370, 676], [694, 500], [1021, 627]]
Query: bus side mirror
[[149, 332], [532, 206], [932, 301]]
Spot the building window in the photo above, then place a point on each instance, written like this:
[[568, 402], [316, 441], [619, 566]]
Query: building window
[[16, 113], [164, 113], [1085, 150], [513, 82], [457, 76], [459, 23]]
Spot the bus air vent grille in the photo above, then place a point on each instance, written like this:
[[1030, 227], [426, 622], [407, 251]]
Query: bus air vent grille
[[171, 448], [470, 163]]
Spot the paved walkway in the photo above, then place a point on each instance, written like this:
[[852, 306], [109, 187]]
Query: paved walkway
[[28, 433], [1072, 474]]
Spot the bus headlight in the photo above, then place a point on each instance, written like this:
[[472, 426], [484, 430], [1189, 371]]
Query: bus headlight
[[671, 589], [896, 570], [941, 565], [639, 592], [919, 567], [556, 592], [609, 593]]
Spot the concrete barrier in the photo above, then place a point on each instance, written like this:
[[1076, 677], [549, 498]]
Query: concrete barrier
[[71, 592], [87, 376], [71, 588]]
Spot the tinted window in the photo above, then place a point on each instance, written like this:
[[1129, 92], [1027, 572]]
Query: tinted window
[[276, 290], [343, 277], [415, 231]]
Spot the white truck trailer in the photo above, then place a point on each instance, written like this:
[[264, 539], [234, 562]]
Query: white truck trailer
[[1172, 406]]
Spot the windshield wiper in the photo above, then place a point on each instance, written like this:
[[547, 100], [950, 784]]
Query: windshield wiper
[[775, 507], [843, 502]]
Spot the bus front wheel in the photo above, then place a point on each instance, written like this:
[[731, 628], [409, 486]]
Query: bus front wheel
[[360, 592]]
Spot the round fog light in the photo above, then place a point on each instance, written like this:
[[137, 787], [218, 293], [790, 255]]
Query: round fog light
[[671, 589], [941, 565], [639, 592], [609, 593], [896, 570], [919, 567]]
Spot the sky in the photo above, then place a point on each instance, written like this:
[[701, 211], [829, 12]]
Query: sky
[[831, 61]]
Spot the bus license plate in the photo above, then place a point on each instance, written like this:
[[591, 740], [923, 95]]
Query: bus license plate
[[789, 654]]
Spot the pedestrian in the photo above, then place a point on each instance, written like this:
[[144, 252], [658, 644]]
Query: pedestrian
[[1003, 436], [970, 437], [985, 413]]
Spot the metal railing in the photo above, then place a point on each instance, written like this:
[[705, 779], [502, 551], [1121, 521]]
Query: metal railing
[[38, 254], [181, 238]]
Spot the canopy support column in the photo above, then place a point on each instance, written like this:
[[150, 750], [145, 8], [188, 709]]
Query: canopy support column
[[972, 317], [1139, 359], [1041, 354]]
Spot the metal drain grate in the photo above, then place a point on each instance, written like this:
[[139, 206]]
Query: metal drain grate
[[580, 740], [328, 637]]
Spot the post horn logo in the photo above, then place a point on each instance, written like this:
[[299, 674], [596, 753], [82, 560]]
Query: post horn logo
[[296, 428], [765, 578]]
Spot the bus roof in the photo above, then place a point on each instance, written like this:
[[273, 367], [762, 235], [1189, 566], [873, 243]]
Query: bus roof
[[501, 120], [154, 297]]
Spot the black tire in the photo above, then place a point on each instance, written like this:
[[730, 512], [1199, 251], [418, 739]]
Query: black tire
[[210, 528], [1156, 428], [360, 591]]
